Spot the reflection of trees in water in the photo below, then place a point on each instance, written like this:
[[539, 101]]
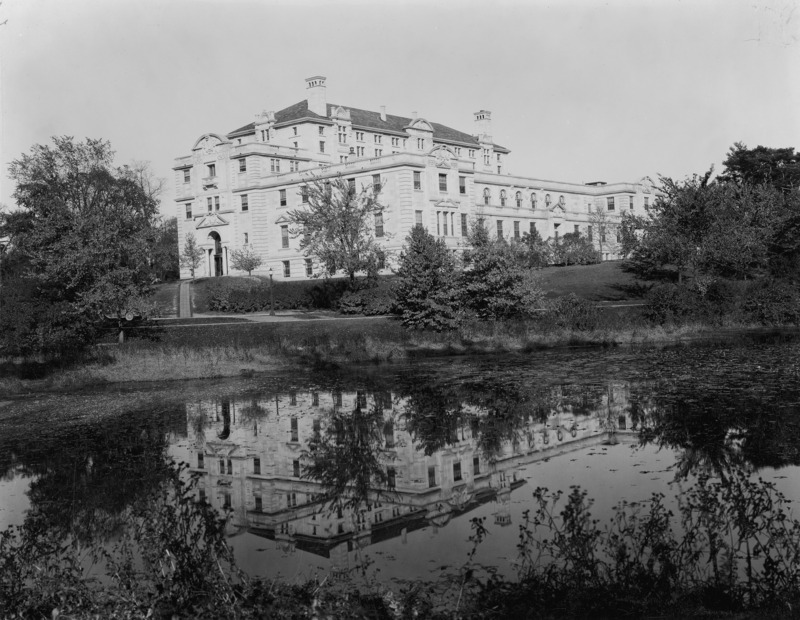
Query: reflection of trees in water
[[345, 458], [84, 476]]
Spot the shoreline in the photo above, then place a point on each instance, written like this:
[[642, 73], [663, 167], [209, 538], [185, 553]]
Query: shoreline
[[176, 360]]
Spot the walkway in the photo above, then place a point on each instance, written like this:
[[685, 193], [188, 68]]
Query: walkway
[[185, 301]]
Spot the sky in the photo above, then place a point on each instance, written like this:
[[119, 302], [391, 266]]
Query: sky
[[579, 91]]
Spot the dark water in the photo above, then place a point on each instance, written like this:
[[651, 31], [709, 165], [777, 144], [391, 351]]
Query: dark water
[[384, 468]]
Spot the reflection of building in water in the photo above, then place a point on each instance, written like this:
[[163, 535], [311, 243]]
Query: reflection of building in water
[[251, 456]]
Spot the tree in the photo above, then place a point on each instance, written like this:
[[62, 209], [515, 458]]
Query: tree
[[192, 254], [427, 293], [603, 227], [246, 259], [166, 262], [538, 253], [779, 167], [81, 242], [573, 249], [338, 227], [496, 283]]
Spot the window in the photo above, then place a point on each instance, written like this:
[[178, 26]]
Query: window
[[379, 224], [486, 156], [315, 403], [222, 466], [420, 144], [577, 229], [498, 157], [230, 467], [351, 185], [381, 261], [499, 169], [321, 146], [486, 196], [589, 233], [502, 198], [432, 476], [476, 465], [610, 203], [283, 197], [306, 236], [187, 175], [216, 203], [244, 202], [212, 170], [464, 228], [458, 151], [395, 141], [256, 465], [200, 461], [518, 198], [499, 229], [242, 165], [472, 153], [259, 505], [226, 503], [442, 182], [547, 200], [337, 399], [293, 422], [210, 204], [342, 134], [285, 236], [376, 183], [310, 272], [516, 230], [246, 238], [462, 185], [646, 203], [275, 165], [391, 477], [188, 210], [378, 152], [418, 218], [294, 166], [321, 130], [417, 180], [304, 194], [377, 139], [287, 271], [533, 201], [360, 151], [359, 135], [438, 223], [456, 471], [532, 229]]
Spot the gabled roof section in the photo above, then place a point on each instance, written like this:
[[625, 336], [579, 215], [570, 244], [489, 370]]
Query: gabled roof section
[[368, 120]]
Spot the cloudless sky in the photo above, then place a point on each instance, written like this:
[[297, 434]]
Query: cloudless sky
[[579, 91]]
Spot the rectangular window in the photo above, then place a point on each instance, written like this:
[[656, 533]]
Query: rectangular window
[[472, 153], [293, 422], [456, 471], [432, 476], [230, 467], [283, 197], [442, 182], [315, 403], [342, 134], [646, 203], [498, 169], [378, 152], [189, 211], [309, 268], [287, 271], [226, 503], [462, 185], [516, 230], [222, 466], [244, 202], [458, 151], [464, 228], [359, 135], [610, 203], [216, 203], [242, 165], [256, 465], [532, 228], [376, 182], [275, 165], [294, 166], [321, 130], [444, 215], [391, 477], [417, 180], [377, 139], [284, 236], [476, 465], [337, 399], [187, 175], [259, 505], [499, 229], [212, 170], [321, 146], [418, 218], [379, 224], [304, 194], [200, 461], [351, 185], [420, 143], [246, 238], [438, 224], [589, 233], [577, 229]]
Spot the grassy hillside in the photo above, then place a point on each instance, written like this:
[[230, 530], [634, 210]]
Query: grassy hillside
[[602, 282]]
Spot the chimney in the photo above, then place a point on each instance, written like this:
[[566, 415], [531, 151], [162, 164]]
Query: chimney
[[483, 124], [414, 115], [317, 98], [383, 113]]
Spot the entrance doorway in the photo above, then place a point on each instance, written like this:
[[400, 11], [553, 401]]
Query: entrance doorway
[[216, 254]]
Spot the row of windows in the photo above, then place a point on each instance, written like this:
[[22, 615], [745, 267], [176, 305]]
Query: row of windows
[[457, 475]]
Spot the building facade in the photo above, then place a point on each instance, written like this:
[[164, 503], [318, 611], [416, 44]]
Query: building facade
[[236, 190]]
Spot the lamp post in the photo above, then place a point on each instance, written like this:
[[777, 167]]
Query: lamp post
[[271, 297]]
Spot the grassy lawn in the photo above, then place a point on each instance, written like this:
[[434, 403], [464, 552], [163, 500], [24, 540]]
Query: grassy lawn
[[602, 282], [166, 298]]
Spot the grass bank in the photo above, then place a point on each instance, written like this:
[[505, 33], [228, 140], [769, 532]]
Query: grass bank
[[232, 349]]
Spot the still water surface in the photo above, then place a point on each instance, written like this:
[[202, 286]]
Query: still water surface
[[384, 468]]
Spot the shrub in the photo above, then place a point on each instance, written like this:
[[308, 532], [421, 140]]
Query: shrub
[[572, 312], [772, 302], [368, 301]]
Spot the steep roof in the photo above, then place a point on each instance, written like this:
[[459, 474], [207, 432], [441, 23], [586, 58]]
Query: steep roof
[[368, 120]]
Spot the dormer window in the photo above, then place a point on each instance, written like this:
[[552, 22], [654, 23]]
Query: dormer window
[[420, 144]]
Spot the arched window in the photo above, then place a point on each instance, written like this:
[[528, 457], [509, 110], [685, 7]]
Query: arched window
[[519, 199], [486, 195], [547, 200], [533, 200], [502, 198]]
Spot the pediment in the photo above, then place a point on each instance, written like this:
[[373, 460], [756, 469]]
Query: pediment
[[446, 203], [340, 113], [211, 220], [284, 219], [208, 142], [420, 124]]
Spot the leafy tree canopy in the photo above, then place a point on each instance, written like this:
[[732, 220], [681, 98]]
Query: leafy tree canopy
[[246, 259], [81, 240], [779, 167]]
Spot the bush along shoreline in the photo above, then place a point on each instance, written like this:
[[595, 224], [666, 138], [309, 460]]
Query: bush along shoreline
[[727, 551]]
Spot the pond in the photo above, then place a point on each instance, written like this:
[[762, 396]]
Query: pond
[[382, 471]]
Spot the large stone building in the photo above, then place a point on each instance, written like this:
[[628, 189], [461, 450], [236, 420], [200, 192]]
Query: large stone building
[[237, 189]]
